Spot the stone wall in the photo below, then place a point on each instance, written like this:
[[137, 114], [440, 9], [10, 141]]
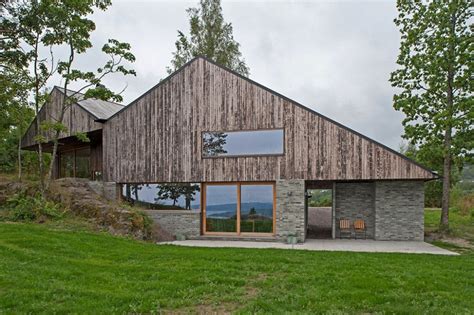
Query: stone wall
[[356, 201], [109, 190], [290, 216], [399, 211], [178, 222]]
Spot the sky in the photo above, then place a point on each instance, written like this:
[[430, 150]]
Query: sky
[[334, 57]]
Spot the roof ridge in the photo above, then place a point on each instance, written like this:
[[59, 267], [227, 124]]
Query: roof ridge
[[69, 90]]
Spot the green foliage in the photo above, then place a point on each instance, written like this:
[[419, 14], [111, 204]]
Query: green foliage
[[22, 207], [209, 36], [175, 190], [462, 176], [15, 111], [32, 34], [82, 136], [320, 198], [435, 59], [434, 81]]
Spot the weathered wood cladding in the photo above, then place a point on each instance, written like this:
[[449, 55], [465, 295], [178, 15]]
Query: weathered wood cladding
[[158, 138], [76, 119]]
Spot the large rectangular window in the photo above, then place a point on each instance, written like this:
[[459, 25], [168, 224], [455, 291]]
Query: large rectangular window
[[164, 196], [66, 164], [239, 208], [221, 208], [242, 143], [75, 163], [256, 208]]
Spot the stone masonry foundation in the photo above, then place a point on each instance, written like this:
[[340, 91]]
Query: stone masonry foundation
[[356, 201], [178, 222], [399, 210], [290, 216]]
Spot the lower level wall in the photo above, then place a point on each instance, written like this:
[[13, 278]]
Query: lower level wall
[[290, 214], [178, 222], [399, 210], [356, 201], [109, 190]]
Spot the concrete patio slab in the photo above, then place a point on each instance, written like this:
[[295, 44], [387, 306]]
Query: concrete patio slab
[[369, 246]]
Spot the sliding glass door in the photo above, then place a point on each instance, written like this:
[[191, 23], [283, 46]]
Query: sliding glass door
[[239, 208], [221, 208]]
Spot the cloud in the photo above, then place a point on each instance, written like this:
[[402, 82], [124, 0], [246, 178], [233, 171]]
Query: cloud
[[332, 56]]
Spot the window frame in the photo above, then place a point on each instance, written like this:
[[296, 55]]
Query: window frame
[[198, 210], [242, 155], [73, 151], [239, 184]]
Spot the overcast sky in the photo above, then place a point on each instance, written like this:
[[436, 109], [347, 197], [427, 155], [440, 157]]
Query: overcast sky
[[332, 56]]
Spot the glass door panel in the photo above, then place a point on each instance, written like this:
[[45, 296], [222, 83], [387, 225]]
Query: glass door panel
[[221, 208], [256, 208], [66, 164], [83, 163]]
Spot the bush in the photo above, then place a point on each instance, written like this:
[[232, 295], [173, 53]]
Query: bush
[[22, 207]]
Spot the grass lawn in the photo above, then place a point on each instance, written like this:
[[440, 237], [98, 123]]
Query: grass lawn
[[46, 269], [460, 225]]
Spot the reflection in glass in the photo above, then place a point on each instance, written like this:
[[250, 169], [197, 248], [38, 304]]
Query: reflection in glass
[[82, 163], [221, 208], [258, 142], [66, 164], [169, 196], [256, 208]]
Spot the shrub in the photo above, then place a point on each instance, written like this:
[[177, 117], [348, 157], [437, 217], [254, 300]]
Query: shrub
[[22, 207]]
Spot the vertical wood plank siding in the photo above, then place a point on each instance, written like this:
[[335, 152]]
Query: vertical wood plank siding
[[158, 137], [76, 120]]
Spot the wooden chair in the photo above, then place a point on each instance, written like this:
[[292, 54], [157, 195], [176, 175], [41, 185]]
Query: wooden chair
[[359, 228], [344, 227]]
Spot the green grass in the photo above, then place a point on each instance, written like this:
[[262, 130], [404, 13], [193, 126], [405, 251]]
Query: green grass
[[48, 270], [461, 226]]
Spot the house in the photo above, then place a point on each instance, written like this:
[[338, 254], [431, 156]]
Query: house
[[219, 155]]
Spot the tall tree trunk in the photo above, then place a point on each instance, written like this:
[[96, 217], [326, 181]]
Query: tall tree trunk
[[19, 158], [37, 119], [64, 106], [447, 163], [447, 158]]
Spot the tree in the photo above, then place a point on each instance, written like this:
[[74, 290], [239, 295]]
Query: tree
[[431, 155], [169, 191], [175, 190], [213, 143], [209, 36], [189, 191], [435, 81], [35, 25], [69, 25], [15, 112], [25, 28]]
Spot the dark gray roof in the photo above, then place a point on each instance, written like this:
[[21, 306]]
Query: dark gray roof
[[101, 110]]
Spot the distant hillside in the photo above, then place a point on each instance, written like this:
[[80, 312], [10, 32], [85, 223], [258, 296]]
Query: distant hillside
[[229, 210]]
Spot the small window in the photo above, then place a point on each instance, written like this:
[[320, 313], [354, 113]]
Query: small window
[[242, 143]]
